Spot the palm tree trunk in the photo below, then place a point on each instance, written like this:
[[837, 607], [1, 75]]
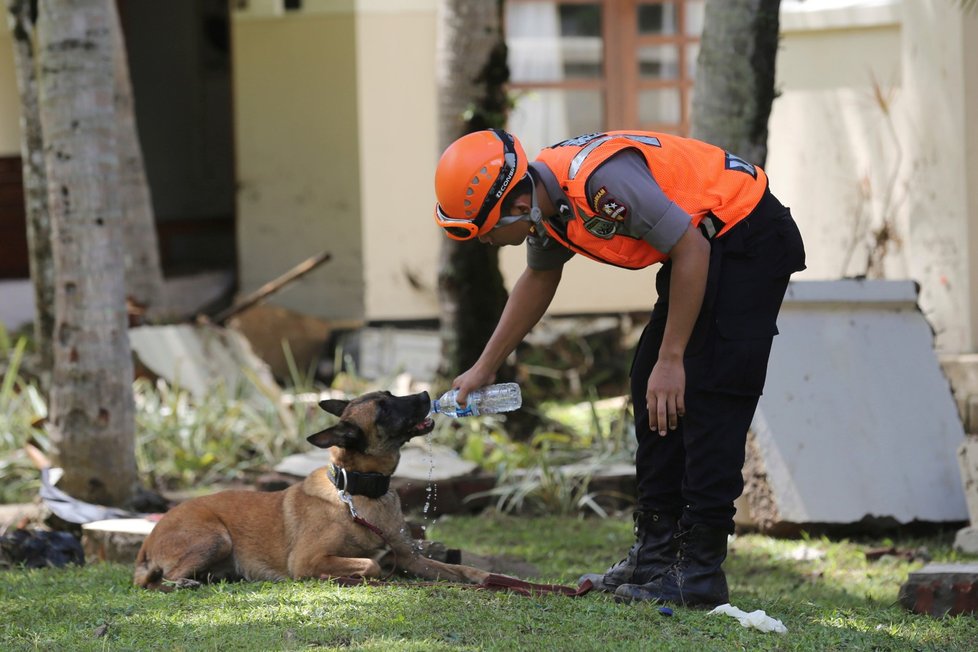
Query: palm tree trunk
[[472, 74], [91, 406], [21, 16], [734, 86]]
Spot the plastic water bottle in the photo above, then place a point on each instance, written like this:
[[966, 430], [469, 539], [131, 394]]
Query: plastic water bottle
[[492, 399]]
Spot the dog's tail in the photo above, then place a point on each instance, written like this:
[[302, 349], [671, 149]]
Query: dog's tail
[[148, 574]]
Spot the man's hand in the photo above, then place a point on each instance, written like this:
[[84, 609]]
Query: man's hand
[[665, 395], [666, 390], [472, 379]]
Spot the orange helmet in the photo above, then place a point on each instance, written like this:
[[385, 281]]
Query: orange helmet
[[472, 179]]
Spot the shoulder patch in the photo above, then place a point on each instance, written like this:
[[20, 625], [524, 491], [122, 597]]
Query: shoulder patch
[[598, 196], [607, 206], [739, 164]]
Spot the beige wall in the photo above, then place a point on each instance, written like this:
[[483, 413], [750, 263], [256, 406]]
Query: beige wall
[[832, 154], [295, 104], [844, 164], [368, 196], [398, 115], [942, 231], [9, 98], [970, 58]]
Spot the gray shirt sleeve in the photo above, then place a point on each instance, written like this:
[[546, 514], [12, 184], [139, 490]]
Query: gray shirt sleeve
[[542, 256], [626, 180]]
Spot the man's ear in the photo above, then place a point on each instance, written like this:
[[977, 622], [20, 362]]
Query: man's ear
[[334, 406], [343, 434]]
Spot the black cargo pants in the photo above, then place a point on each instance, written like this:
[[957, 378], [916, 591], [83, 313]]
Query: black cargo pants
[[695, 470]]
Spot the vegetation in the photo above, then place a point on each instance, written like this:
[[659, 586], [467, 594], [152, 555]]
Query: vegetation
[[827, 592], [231, 435], [21, 408], [839, 601]]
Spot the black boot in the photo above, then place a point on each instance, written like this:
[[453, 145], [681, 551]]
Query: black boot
[[696, 579], [654, 551]]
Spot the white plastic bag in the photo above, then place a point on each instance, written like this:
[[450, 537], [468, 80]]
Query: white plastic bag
[[756, 619]]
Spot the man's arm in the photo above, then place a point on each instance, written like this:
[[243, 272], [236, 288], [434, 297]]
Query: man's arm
[[667, 383], [528, 301]]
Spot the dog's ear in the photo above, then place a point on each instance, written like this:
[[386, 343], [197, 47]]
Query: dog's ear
[[343, 434], [334, 406]]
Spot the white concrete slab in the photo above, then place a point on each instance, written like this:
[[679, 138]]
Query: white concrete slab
[[198, 357], [857, 418], [122, 525]]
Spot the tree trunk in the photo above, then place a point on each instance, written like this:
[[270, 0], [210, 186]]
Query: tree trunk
[[144, 278], [472, 74], [22, 17], [91, 407], [734, 85]]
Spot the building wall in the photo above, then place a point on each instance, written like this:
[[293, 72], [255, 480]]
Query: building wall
[[395, 56], [833, 157], [335, 148], [393, 135], [969, 42], [867, 132], [297, 152], [9, 98], [942, 230]]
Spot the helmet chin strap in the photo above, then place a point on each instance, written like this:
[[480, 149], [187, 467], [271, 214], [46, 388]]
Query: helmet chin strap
[[540, 236]]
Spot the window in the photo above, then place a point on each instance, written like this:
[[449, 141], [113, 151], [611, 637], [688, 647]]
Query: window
[[578, 66]]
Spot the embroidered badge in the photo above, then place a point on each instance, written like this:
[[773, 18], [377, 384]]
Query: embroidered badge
[[601, 228], [607, 206], [602, 191]]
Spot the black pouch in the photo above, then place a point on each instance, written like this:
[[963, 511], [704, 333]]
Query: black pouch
[[757, 261]]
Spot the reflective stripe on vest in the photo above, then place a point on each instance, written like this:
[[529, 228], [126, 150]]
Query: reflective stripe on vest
[[700, 178]]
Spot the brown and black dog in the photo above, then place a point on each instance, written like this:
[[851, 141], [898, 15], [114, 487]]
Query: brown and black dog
[[307, 530]]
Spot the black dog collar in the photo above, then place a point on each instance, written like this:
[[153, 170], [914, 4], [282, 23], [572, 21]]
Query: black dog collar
[[371, 485]]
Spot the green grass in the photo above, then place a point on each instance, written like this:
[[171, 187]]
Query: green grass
[[839, 602]]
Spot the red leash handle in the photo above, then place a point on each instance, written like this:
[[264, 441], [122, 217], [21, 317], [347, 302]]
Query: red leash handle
[[492, 583], [359, 520], [505, 583]]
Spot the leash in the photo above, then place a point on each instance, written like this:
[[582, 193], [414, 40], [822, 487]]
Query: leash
[[493, 582], [359, 520]]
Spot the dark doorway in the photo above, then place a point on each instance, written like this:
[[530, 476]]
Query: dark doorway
[[13, 225], [180, 64]]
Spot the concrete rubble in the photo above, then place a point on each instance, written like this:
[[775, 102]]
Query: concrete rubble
[[198, 357], [941, 590], [857, 422]]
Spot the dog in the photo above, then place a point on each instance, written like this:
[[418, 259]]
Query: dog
[[308, 530]]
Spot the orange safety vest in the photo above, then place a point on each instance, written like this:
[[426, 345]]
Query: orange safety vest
[[700, 178]]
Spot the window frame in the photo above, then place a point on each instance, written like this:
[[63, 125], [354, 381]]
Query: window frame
[[621, 84]]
